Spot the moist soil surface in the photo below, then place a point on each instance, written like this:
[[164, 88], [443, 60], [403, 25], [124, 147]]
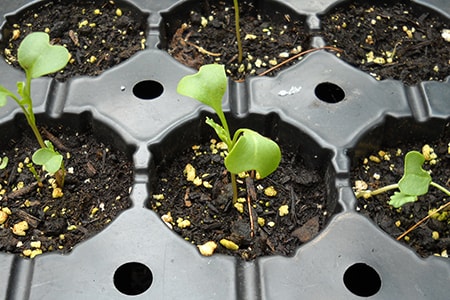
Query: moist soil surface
[[98, 34], [207, 35], [390, 39], [96, 190], [213, 217], [390, 171]]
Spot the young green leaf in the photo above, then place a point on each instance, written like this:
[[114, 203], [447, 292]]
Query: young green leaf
[[399, 199], [38, 57], [48, 157], [415, 180], [208, 86], [4, 94], [220, 131], [253, 151]]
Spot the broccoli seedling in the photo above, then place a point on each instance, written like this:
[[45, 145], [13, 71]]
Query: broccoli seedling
[[247, 149], [37, 57], [414, 182]]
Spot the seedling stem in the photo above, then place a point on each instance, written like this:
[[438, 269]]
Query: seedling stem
[[238, 30]]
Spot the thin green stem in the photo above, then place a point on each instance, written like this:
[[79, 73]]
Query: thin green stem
[[34, 172], [27, 107], [223, 120], [440, 187], [234, 186], [379, 191], [230, 144], [238, 30], [36, 132]]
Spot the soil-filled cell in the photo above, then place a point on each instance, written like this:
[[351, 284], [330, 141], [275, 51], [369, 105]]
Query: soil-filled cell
[[379, 162], [45, 212], [98, 34], [287, 208], [390, 40], [197, 33]]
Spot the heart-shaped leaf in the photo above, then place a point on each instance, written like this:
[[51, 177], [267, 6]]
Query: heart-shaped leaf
[[208, 86], [253, 151], [48, 157], [37, 57], [415, 180]]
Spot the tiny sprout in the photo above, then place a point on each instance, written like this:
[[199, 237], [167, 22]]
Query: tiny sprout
[[3, 162], [247, 149], [414, 182], [38, 58], [48, 157]]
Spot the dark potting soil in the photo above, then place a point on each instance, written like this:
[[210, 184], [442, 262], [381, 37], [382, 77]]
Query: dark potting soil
[[96, 190], [208, 35], [98, 34], [396, 221], [213, 217], [390, 39]]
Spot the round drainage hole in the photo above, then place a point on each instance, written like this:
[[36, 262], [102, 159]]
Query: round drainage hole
[[148, 89], [133, 278], [362, 280], [329, 92]]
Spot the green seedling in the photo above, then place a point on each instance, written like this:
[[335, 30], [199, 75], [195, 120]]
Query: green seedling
[[38, 58], [238, 29], [414, 182], [33, 171], [247, 149]]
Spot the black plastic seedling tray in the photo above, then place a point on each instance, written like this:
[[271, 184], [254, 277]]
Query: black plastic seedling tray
[[322, 105]]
